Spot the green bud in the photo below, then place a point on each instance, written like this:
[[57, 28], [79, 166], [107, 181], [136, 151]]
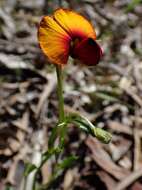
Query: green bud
[[102, 135]]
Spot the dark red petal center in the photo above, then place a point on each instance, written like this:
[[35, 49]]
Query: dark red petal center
[[87, 51]]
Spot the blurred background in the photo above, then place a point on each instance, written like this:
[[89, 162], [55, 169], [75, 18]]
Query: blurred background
[[110, 95]]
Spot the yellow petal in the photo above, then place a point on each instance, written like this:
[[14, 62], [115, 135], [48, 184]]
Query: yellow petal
[[53, 40], [75, 24]]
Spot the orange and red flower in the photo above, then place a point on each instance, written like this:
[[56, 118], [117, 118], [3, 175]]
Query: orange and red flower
[[68, 33]]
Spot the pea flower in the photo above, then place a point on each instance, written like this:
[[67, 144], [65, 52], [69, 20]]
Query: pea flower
[[67, 33]]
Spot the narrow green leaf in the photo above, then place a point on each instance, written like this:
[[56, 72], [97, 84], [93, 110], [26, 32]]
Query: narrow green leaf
[[53, 137], [81, 126], [50, 152], [54, 133], [29, 168], [67, 162], [83, 123]]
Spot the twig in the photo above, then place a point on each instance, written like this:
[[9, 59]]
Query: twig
[[129, 180], [46, 92]]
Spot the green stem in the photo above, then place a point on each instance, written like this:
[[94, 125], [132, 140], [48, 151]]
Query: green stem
[[60, 93], [61, 116], [62, 130]]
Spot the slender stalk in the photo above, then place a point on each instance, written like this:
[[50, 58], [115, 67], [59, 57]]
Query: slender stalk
[[61, 115], [62, 129], [60, 93]]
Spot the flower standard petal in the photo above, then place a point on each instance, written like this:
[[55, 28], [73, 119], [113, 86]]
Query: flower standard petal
[[74, 24], [68, 33], [88, 52], [54, 40]]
